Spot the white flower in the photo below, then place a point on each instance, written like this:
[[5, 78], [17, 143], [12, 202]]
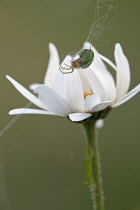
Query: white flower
[[80, 94]]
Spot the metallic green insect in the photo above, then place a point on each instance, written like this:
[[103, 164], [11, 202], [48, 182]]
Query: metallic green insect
[[84, 61]]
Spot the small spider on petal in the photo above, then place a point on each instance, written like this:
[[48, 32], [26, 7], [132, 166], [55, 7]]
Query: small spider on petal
[[83, 62]]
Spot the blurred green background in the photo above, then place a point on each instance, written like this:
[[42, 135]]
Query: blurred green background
[[42, 158]]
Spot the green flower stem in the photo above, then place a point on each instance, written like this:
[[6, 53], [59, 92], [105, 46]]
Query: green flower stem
[[93, 167]]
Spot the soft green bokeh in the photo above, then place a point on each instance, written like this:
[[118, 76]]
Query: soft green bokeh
[[42, 158]]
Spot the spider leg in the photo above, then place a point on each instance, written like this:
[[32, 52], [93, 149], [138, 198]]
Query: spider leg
[[68, 66], [66, 72], [65, 68]]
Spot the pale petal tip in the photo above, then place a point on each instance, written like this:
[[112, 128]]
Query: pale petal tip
[[118, 44], [51, 44], [10, 112], [118, 47], [99, 123], [76, 117], [86, 44], [13, 112], [33, 86], [52, 47], [8, 77]]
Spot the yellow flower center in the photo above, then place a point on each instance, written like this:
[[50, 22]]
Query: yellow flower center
[[88, 94]]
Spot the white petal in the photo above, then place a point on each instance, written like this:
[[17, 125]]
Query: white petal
[[88, 45], [69, 86], [30, 111], [123, 73], [105, 80], [128, 96], [79, 116], [85, 83], [90, 102], [33, 86], [58, 85], [99, 123], [53, 65], [108, 61], [73, 91], [101, 106], [95, 83], [53, 100], [26, 93]]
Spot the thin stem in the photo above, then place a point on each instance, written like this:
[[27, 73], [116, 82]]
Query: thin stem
[[93, 167]]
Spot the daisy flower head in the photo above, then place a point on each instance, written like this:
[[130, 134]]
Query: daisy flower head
[[82, 94]]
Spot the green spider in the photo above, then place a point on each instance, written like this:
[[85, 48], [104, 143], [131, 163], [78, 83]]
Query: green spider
[[84, 61]]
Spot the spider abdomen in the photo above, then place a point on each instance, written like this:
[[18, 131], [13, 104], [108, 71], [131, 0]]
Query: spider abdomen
[[87, 57]]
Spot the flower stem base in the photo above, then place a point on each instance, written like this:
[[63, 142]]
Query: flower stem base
[[93, 167]]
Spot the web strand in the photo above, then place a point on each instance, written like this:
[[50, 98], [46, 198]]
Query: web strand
[[105, 15], [12, 122], [104, 20]]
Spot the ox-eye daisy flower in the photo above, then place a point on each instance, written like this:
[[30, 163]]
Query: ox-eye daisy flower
[[83, 93]]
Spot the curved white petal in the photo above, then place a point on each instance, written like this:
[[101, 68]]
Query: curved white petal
[[90, 102], [53, 66], [73, 91], [85, 83], [53, 100], [101, 106], [95, 83], [26, 93], [123, 73], [79, 116], [99, 124], [58, 85], [70, 87], [128, 96], [103, 75], [108, 61], [29, 111], [33, 86]]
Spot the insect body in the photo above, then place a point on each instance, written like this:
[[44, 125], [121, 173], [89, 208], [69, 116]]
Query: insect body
[[84, 61]]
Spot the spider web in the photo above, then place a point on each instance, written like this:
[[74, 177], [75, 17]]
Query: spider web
[[14, 119], [100, 32], [104, 20], [103, 25]]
